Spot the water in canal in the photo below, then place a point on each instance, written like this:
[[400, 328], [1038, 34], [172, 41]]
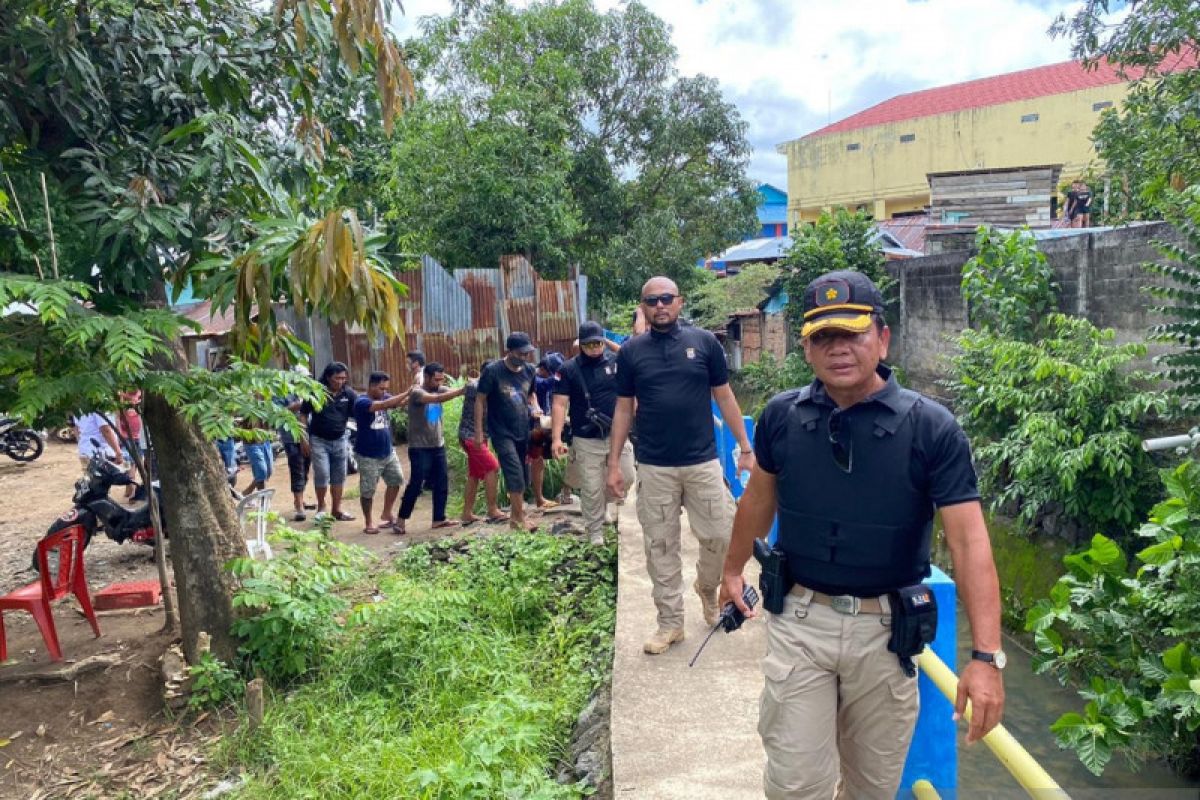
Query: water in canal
[[1032, 703]]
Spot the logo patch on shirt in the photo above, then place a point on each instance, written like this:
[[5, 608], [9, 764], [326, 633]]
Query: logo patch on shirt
[[609, 369], [691, 352]]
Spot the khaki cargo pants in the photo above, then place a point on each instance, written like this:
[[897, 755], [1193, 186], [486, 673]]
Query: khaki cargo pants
[[587, 469], [835, 705], [661, 493]]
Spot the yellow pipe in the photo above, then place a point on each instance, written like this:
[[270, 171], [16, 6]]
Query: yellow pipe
[[1033, 779], [923, 790]]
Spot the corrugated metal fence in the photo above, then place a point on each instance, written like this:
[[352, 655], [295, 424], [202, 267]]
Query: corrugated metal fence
[[457, 319]]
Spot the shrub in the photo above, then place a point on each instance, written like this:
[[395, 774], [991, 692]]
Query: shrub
[[291, 601], [1128, 634], [1008, 286], [1181, 298], [1054, 423], [464, 682], [763, 379], [214, 683]]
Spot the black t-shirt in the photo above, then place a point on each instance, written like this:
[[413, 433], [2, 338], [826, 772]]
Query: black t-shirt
[[330, 421], [507, 394], [672, 375], [941, 457], [601, 376]]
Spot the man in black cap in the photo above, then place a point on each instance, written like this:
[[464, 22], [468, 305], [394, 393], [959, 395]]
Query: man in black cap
[[676, 372], [587, 388], [508, 385], [855, 466]]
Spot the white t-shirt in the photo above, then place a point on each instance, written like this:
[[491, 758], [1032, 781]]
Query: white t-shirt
[[89, 428]]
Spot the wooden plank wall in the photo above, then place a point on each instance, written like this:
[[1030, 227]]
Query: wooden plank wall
[[1008, 198]]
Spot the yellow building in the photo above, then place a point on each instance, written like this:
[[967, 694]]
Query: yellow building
[[877, 160]]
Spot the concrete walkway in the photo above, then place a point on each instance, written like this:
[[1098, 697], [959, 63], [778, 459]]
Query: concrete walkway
[[680, 733]]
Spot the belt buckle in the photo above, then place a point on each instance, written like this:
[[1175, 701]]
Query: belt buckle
[[845, 604]]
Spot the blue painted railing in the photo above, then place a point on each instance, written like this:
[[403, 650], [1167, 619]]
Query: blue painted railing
[[933, 755]]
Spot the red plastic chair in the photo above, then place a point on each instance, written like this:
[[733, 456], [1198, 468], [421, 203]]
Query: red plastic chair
[[37, 596]]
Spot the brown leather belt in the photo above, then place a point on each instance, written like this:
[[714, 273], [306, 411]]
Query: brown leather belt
[[846, 603]]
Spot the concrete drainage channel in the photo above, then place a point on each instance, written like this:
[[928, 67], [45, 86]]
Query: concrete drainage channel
[[591, 747]]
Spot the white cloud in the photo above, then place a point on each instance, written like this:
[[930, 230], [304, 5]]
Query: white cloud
[[791, 66]]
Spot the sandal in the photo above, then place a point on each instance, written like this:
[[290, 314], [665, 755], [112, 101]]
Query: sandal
[[370, 531], [446, 523], [498, 518], [342, 516], [398, 528]]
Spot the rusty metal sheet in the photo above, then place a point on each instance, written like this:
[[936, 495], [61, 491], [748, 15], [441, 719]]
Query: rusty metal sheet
[[439, 348], [392, 358], [483, 288], [415, 281], [521, 314], [476, 346], [519, 277], [556, 314], [445, 305]]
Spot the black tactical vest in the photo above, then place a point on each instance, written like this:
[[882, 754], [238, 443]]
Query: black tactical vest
[[865, 532]]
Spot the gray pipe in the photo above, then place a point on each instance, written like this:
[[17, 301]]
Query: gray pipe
[[1170, 442]]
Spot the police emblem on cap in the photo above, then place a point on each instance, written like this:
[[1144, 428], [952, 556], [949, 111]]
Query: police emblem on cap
[[834, 292], [691, 352]]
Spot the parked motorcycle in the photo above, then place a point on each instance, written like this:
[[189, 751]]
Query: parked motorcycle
[[95, 510], [18, 443]]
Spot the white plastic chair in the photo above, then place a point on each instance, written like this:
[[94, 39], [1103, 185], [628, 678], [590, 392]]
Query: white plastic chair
[[257, 504]]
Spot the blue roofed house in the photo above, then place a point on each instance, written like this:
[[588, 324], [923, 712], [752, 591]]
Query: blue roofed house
[[772, 212]]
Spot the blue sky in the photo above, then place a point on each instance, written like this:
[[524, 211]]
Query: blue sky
[[790, 66]]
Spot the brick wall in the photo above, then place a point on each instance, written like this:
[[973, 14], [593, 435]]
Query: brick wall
[[1099, 276]]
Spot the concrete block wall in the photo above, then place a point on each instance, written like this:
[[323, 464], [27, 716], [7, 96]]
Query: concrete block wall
[[1099, 275]]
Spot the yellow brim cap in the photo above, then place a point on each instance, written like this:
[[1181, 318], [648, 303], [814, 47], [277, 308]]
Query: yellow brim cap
[[853, 322]]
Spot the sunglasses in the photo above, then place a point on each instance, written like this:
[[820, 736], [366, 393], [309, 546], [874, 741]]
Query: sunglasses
[[659, 299], [591, 345], [841, 442]]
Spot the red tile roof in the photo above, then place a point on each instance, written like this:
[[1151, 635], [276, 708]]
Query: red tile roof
[[1027, 84]]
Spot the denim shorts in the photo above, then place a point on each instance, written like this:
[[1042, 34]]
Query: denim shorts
[[328, 461], [262, 460]]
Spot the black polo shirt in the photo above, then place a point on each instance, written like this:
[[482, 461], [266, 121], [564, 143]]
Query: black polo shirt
[[507, 394], [941, 457], [672, 375], [330, 422], [601, 376]]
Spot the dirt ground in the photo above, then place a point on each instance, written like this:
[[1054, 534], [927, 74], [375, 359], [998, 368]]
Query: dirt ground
[[105, 732]]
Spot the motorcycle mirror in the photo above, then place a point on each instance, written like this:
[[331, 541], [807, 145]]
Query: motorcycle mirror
[[96, 443]]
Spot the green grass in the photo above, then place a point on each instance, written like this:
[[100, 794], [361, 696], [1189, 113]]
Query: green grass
[[464, 683]]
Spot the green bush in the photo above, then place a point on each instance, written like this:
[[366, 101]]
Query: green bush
[[763, 379], [1008, 286], [1181, 301], [214, 683], [1128, 635], [1055, 423], [291, 601], [465, 682]]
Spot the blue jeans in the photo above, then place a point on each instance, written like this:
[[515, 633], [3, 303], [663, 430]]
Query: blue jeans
[[427, 463], [228, 450], [262, 460]]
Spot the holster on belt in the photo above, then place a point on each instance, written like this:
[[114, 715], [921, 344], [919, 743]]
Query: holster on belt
[[914, 623], [775, 581]]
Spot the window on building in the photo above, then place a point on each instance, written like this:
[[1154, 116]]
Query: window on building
[[1029, 118], [854, 146], [1103, 104], [907, 137]]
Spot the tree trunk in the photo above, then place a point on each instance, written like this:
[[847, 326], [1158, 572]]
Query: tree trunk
[[202, 525]]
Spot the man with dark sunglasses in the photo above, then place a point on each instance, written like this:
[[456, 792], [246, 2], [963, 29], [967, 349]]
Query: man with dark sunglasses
[[675, 371], [855, 466]]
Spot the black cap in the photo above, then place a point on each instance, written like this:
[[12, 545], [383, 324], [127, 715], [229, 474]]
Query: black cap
[[844, 299], [591, 332], [518, 341]]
